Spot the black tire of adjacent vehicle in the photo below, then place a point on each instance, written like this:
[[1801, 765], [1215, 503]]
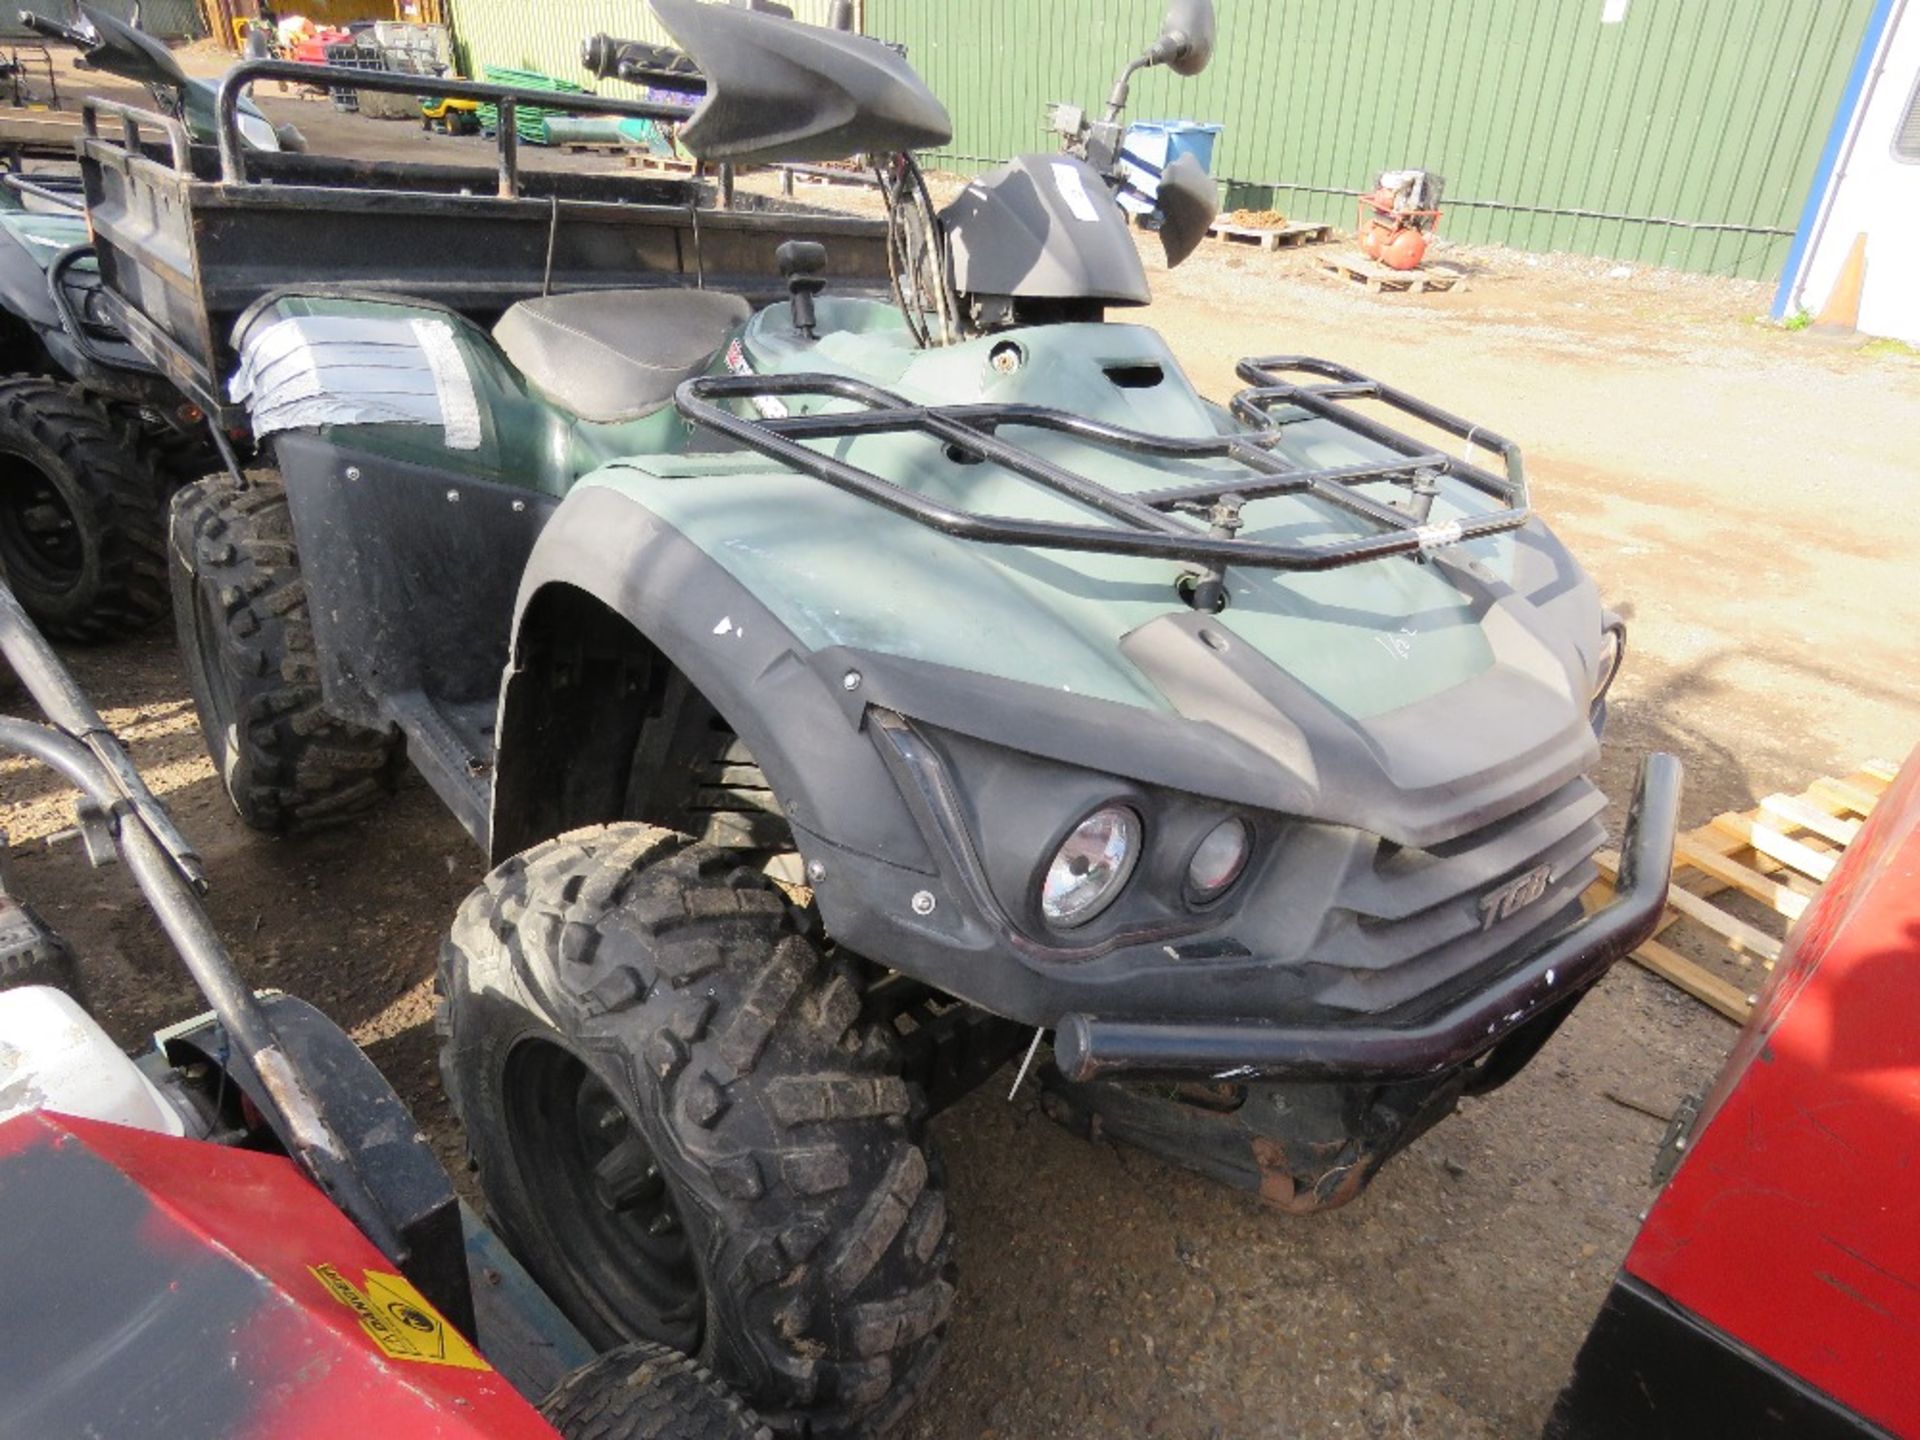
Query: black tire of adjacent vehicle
[[32, 954], [247, 644], [789, 1142], [644, 1389], [59, 449]]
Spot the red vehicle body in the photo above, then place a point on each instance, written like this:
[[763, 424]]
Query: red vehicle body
[[1774, 1288], [161, 1286]]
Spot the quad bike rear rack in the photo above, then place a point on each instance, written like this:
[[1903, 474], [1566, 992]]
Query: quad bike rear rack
[[1151, 524]]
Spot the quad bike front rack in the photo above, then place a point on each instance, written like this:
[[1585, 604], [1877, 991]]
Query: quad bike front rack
[[1152, 524]]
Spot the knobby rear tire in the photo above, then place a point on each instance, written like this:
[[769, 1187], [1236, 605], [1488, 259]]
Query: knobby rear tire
[[82, 517], [240, 608]]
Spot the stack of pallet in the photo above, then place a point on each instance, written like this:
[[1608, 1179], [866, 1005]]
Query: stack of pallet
[[1767, 863], [530, 121]]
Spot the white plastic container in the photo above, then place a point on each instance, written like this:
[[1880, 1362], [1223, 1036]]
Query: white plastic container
[[54, 1056]]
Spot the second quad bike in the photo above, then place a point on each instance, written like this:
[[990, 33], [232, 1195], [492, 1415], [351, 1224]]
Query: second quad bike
[[862, 656], [93, 439]]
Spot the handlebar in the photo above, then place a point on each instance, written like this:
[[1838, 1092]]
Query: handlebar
[[508, 98], [606, 57], [53, 29], [66, 199]]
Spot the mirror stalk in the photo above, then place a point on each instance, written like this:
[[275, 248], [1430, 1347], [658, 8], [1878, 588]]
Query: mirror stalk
[[1117, 99]]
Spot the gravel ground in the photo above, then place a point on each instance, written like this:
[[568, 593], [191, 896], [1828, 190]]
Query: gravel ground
[[1745, 496]]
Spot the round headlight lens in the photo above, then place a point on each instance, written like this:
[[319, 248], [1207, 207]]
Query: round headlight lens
[[1090, 867], [1220, 859]]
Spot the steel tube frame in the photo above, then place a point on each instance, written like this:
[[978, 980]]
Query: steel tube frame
[[66, 705], [233, 155], [1146, 525], [131, 118]]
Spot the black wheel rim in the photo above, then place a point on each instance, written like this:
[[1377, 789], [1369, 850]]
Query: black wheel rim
[[42, 548], [607, 1207]]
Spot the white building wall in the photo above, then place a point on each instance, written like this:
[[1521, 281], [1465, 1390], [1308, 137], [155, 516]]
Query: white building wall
[[1876, 193]]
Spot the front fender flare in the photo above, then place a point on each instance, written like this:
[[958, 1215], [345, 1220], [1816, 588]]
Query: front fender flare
[[786, 702]]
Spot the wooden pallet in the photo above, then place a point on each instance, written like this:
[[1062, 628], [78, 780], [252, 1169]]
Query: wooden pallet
[[1777, 855], [1300, 232], [1378, 278], [660, 164]]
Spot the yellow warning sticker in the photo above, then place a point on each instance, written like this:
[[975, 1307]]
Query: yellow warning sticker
[[398, 1319]]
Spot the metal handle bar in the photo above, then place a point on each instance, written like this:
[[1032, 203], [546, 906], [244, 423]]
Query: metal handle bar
[[131, 117], [65, 199], [78, 746], [233, 163], [312, 1141], [75, 323], [63, 702]]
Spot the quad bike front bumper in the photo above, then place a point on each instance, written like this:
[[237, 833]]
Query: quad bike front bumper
[[1305, 1117], [1482, 1022]]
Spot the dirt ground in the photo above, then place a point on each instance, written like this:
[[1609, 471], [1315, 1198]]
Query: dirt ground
[[1748, 498]]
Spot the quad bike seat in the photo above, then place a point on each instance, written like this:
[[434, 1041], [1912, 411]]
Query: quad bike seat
[[612, 355]]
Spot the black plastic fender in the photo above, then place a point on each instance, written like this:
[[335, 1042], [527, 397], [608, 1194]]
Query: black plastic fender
[[786, 702]]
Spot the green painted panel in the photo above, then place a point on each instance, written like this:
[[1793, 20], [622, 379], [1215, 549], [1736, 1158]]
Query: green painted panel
[[545, 35], [1685, 134]]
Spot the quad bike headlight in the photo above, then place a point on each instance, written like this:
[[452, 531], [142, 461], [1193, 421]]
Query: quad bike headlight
[[1091, 867], [1218, 861], [258, 131]]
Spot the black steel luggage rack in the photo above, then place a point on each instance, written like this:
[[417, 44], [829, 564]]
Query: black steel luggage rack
[[1147, 523]]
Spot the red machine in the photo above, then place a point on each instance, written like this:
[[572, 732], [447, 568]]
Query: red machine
[[1398, 215], [231, 1296], [312, 50], [1774, 1289]]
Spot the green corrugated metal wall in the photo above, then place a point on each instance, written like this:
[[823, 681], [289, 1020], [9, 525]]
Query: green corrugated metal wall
[[545, 35], [1685, 135]]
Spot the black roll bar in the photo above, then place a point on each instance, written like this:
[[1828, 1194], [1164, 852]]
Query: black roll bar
[[65, 199], [508, 98]]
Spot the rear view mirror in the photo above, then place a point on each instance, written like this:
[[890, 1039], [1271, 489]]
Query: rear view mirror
[[1188, 202], [779, 90], [1186, 37]]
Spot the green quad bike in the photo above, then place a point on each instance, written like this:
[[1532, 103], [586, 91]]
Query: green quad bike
[[861, 656], [93, 438]]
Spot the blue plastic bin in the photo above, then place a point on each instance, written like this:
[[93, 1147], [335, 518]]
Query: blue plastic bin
[[1151, 146]]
